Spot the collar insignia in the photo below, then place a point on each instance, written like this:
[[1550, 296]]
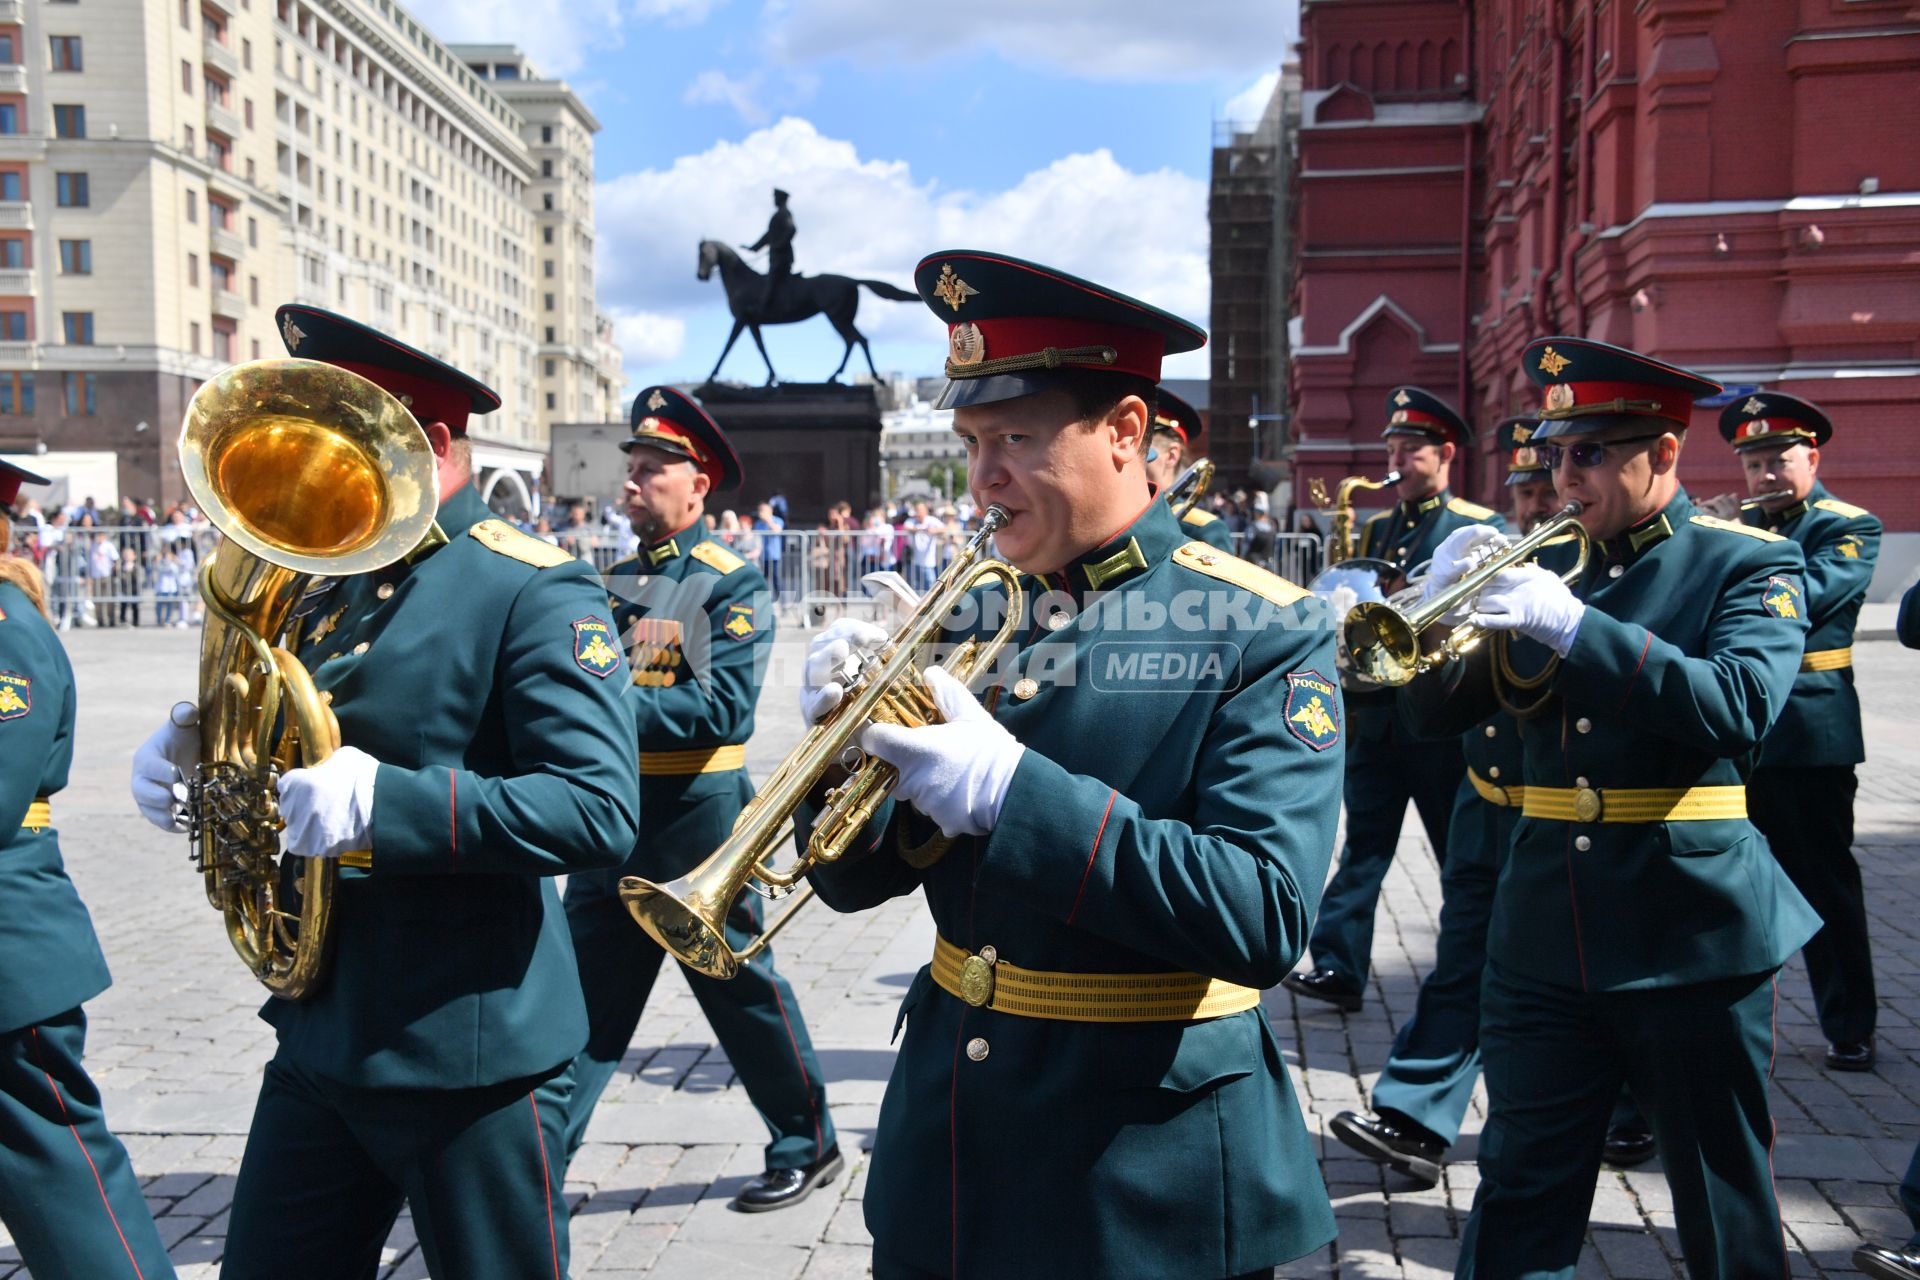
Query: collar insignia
[[1552, 362], [1427, 504], [293, 333], [665, 551], [656, 401], [1117, 565], [1653, 533], [952, 289]]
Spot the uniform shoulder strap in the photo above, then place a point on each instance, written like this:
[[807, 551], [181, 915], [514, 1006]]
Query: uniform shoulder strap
[[1840, 508], [1729, 526], [498, 535], [718, 557], [1244, 574], [1471, 510], [1197, 517]]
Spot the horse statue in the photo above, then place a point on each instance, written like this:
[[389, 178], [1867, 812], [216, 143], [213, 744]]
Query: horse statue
[[799, 298]]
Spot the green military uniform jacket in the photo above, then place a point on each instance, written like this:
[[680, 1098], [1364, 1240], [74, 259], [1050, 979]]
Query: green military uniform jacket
[[699, 626], [1683, 661], [1207, 527], [1174, 810], [486, 679], [1821, 723], [1406, 534], [50, 960]]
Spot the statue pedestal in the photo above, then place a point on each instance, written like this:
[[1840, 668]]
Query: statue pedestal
[[817, 443]]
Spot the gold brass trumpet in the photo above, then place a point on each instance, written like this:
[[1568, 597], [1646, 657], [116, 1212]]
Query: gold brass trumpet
[[1385, 642], [688, 917], [1192, 486]]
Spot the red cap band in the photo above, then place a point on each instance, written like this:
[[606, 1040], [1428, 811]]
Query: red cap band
[[1759, 427], [667, 431], [428, 400], [1136, 351], [1425, 422], [1566, 400]]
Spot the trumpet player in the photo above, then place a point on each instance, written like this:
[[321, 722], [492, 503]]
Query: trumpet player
[[699, 624], [1118, 854], [1639, 921], [1801, 793], [1386, 765], [1175, 426]]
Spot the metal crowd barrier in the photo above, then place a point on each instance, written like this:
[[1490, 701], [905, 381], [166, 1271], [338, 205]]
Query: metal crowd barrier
[[144, 575]]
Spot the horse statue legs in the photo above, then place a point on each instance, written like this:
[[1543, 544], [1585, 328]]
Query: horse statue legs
[[850, 335], [733, 337]]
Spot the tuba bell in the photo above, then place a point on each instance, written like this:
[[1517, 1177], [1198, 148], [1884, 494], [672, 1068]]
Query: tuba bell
[[688, 917], [307, 470]]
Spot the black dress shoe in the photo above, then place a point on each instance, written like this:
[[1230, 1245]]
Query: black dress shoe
[[1888, 1264], [1325, 984], [1848, 1056], [784, 1188], [1393, 1140], [1629, 1145]]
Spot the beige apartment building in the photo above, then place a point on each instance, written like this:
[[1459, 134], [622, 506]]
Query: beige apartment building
[[171, 170]]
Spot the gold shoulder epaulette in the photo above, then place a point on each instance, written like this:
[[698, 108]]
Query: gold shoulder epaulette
[[1198, 517], [1244, 574], [715, 556], [1840, 508], [498, 535], [1471, 510], [1715, 522]]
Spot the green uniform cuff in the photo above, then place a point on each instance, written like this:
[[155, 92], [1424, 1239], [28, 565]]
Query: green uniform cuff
[[416, 827]]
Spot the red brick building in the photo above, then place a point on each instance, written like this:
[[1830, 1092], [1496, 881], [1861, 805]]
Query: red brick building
[[1732, 185]]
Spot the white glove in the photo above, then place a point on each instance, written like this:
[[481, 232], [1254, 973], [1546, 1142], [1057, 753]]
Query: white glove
[[1534, 602], [1460, 552], [956, 772], [161, 766], [823, 683], [328, 809]]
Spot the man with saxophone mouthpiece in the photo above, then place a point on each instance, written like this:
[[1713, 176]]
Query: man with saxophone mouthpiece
[[1801, 792], [1086, 1083], [478, 685], [1640, 920], [68, 1195], [1386, 765], [1427, 1083], [1176, 425], [698, 621]]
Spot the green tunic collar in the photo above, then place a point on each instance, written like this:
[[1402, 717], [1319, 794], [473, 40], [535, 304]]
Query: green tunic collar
[[658, 554], [1152, 537]]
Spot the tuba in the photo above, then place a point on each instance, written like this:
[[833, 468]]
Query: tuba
[[688, 917], [1184, 493], [306, 469], [1383, 637]]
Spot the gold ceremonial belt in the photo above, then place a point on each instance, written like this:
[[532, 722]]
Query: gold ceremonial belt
[[666, 764], [1827, 659], [1635, 804], [39, 815], [1494, 793], [984, 980]]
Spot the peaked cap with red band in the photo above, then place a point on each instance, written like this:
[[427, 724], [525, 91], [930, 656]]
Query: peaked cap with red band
[[432, 389], [1171, 413], [668, 420], [1590, 386], [1524, 463], [1773, 417], [11, 478], [1014, 326], [1415, 411]]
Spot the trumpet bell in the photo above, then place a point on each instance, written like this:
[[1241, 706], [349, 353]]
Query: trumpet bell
[[671, 915]]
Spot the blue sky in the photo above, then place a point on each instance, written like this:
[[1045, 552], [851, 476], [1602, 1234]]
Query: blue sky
[[1075, 132]]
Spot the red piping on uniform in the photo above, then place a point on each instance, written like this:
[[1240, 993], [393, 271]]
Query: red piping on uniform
[[1091, 855], [1636, 670], [546, 1184], [453, 817], [88, 1155], [805, 1079]]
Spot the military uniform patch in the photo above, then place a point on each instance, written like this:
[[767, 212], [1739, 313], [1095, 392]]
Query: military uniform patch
[[593, 647], [739, 622], [1782, 599], [1849, 547], [16, 695], [1312, 712]]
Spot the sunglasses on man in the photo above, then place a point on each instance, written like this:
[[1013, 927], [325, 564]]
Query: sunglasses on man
[[1588, 454]]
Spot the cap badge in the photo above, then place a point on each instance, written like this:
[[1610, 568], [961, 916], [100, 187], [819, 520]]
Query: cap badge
[[952, 289], [1559, 395], [1552, 362], [292, 333], [1526, 459], [656, 401], [1399, 416], [966, 344], [1753, 406], [1402, 398]]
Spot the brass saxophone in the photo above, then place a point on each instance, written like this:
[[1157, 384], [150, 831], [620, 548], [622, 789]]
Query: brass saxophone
[[307, 470], [1340, 545]]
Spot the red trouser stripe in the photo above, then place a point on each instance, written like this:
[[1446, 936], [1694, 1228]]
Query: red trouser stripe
[[86, 1154], [546, 1184]]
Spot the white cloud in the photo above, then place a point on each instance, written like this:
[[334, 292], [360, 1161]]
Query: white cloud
[[1247, 106], [742, 94], [1143, 233], [557, 34], [1093, 39], [647, 337]]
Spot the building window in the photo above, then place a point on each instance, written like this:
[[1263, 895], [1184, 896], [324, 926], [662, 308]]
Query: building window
[[546, 168], [219, 152], [13, 185], [70, 190], [193, 206], [13, 252], [246, 55], [220, 271], [549, 269], [9, 49], [546, 234], [546, 133], [76, 257], [549, 368], [186, 15], [193, 270], [193, 337], [79, 394], [549, 298], [248, 116], [68, 122], [13, 326], [188, 137], [78, 326], [16, 393], [219, 94], [256, 349], [220, 214], [546, 201], [549, 333], [66, 53], [253, 233], [186, 76], [223, 336], [10, 117], [253, 290], [550, 399]]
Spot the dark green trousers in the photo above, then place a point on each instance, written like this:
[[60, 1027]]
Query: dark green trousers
[[1385, 769], [1806, 814], [1698, 1058], [67, 1190], [328, 1166]]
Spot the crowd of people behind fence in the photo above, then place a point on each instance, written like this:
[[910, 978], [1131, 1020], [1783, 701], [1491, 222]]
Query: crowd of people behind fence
[[131, 566]]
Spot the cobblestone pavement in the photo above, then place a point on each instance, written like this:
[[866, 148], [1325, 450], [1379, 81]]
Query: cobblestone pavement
[[177, 1049]]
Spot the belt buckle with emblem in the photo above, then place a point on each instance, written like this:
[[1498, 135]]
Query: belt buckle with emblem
[[1587, 805], [976, 977]]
